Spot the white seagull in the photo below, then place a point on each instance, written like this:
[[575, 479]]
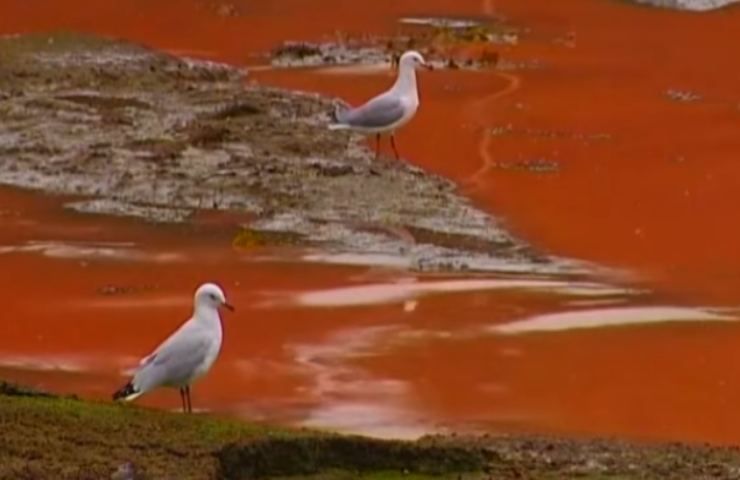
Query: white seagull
[[186, 355], [388, 111]]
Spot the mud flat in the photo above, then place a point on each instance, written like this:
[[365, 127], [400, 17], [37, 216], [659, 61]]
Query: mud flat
[[64, 438], [130, 131]]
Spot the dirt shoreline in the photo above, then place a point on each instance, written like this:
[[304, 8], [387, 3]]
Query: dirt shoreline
[[132, 443], [139, 133]]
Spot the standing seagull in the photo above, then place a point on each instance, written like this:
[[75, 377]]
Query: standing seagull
[[389, 110], [187, 354]]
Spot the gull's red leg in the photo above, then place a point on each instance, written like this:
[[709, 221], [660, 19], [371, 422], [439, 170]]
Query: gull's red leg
[[187, 395], [393, 144], [182, 399]]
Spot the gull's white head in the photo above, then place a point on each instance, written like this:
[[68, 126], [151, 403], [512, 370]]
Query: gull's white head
[[411, 60], [211, 295]]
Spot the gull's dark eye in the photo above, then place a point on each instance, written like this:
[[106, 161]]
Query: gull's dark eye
[[213, 296]]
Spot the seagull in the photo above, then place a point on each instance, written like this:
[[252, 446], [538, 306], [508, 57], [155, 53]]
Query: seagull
[[186, 355], [388, 111]]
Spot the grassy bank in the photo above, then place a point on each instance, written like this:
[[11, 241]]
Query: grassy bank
[[54, 437], [44, 436]]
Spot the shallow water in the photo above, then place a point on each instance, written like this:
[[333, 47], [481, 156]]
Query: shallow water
[[645, 186]]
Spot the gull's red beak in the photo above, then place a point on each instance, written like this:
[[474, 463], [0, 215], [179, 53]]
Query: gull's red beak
[[428, 66], [229, 306]]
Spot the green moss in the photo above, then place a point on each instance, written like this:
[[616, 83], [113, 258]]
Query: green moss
[[63, 438], [54, 437]]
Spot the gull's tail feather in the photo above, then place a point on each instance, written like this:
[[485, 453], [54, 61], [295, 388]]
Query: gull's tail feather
[[339, 115], [127, 393]]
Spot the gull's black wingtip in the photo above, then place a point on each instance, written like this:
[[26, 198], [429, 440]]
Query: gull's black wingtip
[[127, 391]]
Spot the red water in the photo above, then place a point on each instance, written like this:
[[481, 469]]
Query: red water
[[645, 184]]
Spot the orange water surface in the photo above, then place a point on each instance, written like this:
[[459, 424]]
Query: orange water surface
[[644, 183]]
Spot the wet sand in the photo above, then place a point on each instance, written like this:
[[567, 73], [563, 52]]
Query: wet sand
[[643, 183]]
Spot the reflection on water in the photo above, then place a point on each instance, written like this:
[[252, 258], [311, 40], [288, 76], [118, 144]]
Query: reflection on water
[[339, 342], [41, 363], [90, 250], [401, 292], [610, 317], [349, 398], [315, 344]]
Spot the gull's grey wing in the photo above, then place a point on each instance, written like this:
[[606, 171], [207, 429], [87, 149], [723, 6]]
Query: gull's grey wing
[[379, 112], [175, 361]]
